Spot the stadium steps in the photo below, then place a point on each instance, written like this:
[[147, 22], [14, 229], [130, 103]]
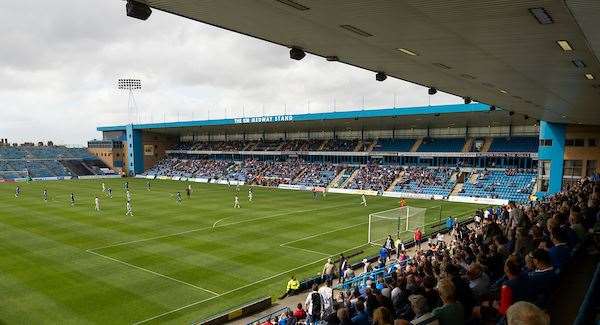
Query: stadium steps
[[487, 144], [75, 167], [349, 180], [417, 144], [323, 145], [468, 145], [250, 146], [359, 146], [335, 181], [398, 179], [372, 146], [457, 188]]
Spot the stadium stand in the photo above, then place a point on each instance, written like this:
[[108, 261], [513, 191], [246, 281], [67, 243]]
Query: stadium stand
[[374, 177], [515, 144], [522, 255], [398, 145], [441, 145], [432, 181], [47, 161], [510, 184]]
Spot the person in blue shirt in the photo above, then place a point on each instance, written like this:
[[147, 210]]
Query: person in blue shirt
[[361, 317], [383, 254], [449, 223]]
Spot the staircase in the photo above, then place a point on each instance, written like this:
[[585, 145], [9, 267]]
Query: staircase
[[398, 179], [487, 144], [350, 178], [299, 175], [373, 144], [457, 188], [323, 145], [468, 145], [417, 144], [76, 167], [334, 182]]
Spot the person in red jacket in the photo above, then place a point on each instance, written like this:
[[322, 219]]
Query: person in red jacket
[[299, 313], [418, 236]]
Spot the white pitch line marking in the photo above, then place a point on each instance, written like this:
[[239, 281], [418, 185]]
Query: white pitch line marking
[[306, 250], [209, 227], [238, 289], [152, 272], [324, 233]]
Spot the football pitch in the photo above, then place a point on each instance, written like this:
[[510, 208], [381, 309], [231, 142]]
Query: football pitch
[[169, 262]]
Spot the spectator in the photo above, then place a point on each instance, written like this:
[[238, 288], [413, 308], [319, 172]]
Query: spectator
[[327, 294], [478, 281], [361, 317], [515, 288], [344, 316], [420, 307], [418, 236], [328, 270], [451, 312], [525, 313], [299, 312], [382, 316], [543, 278], [314, 306]]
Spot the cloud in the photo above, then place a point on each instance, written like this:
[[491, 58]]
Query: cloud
[[60, 61]]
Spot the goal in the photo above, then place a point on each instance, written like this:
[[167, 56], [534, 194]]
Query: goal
[[394, 222]]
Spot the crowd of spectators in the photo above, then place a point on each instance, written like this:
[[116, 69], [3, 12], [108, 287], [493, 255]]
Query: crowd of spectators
[[504, 268], [422, 176], [374, 177]]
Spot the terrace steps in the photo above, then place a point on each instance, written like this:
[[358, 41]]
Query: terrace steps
[[468, 145], [349, 180], [457, 188], [416, 145], [323, 144], [372, 146], [398, 179], [487, 144], [334, 182]]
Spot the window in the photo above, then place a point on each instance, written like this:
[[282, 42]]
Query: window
[[591, 142], [544, 175], [572, 168], [591, 167], [574, 142], [546, 142]]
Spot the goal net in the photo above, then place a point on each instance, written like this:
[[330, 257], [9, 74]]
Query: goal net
[[394, 222]]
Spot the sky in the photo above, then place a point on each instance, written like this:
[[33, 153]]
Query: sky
[[60, 61]]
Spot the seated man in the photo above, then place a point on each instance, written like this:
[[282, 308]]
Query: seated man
[[292, 287], [543, 278]]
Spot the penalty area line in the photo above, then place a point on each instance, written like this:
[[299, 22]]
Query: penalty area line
[[167, 313], [153, 272]]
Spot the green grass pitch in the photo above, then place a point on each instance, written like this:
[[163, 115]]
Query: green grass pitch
[[169, 263]]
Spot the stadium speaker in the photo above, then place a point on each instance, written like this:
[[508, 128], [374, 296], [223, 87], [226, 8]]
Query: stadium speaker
[[492, 108], [138, 10], [296, 53], [432, 91], [467, 100], [380, 76], [511, 113]]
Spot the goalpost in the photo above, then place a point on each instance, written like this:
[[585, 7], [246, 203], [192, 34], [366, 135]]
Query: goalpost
[[394, 222]]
